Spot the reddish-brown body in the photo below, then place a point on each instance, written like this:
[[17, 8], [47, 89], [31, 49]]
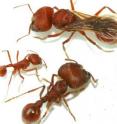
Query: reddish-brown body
[[24, 64], [21, 65], [105, 27], [32, 113], [72, 76], [33, 59]]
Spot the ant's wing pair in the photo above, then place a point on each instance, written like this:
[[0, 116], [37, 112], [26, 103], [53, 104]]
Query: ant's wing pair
[[105, 27]]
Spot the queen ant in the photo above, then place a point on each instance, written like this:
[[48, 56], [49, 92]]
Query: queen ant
[[105, 27]]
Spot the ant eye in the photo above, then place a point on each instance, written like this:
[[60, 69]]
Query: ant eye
[[30, 113]]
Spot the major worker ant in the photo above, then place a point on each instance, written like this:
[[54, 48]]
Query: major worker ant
[[105, 27], [71, 78], [22, 65]]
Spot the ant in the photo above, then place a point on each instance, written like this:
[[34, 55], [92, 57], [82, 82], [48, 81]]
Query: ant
[[104, 27], [23, 65], [72, 78]]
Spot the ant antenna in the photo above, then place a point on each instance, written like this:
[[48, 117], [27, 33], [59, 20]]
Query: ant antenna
[[25, 5], [29, 31]]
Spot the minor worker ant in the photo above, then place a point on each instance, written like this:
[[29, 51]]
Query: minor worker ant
[[22, 65], [71, 78], [105, 27]]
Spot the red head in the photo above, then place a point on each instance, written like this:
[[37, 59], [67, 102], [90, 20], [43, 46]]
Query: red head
[[31, 112], [35, 59], [42, 19]]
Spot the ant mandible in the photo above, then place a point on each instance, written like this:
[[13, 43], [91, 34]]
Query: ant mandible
[[22, 65], [72, 78], [104, 27]]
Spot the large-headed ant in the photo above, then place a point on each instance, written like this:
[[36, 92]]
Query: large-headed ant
[[72, 78], [104, 27], [22, 65]]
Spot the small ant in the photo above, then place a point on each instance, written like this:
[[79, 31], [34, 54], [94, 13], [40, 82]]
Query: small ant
[[72, 78], [23, 64], [104, 27]]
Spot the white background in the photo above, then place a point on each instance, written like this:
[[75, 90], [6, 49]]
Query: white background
[[92, 106]]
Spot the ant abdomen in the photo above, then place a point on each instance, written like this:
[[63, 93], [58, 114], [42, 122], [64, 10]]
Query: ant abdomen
[[3, 71], [42, 19], [31, 113], [62, 18], [74, 75]]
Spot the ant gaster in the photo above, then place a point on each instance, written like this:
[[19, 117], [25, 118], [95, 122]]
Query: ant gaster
[[104, 27]]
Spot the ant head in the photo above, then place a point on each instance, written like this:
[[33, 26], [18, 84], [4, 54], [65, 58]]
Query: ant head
[[30, 113], [3, 71], [42, 19], [62, 18], [34, 59]]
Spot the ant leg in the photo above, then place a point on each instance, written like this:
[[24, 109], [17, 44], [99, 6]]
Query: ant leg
[[24, 93], [48, 107], [36, 72], [50, 36], [43, 88], [105, 7], [45, 63], [25, 35], [30, 24], [17, 56], [66, 41], [52, 82], [37, 75], [53, 76], [64, 100], [8, 53], [22, 79], [25, 5], [93, 42], [9, 56], [72, 5], [72, 60], [94, 81], [9, 82], [56, 8]]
